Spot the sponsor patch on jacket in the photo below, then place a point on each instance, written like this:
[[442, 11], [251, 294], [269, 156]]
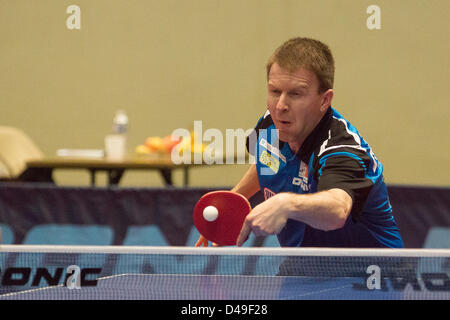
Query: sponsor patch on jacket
[[268, 193], [302, 179], [270, 161], [274, 150]]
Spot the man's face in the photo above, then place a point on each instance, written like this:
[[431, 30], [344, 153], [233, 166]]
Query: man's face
[[295, 104]]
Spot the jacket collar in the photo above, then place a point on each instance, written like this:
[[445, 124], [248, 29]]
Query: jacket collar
[[319, 134]]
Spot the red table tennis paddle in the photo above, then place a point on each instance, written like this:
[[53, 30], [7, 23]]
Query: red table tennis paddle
[[221, 226]]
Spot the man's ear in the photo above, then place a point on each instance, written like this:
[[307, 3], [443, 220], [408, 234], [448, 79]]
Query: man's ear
[[326, 100]]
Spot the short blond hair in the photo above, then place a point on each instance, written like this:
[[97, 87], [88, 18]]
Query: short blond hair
[[309, 54]]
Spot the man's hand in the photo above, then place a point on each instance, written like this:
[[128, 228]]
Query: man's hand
[[325, 210], [266, 218], [203, 242]]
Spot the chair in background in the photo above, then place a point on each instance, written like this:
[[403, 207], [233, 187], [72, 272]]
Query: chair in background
[[16, 148], [4, 172]]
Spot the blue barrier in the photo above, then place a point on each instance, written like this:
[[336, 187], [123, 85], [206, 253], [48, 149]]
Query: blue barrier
[[53, 234], [45, 214], [7, 235]]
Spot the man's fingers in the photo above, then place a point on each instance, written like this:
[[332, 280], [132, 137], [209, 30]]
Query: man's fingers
[[243, 235], [202, 241]]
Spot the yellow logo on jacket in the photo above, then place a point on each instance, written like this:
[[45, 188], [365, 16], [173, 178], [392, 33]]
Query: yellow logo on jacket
[[269, 161]]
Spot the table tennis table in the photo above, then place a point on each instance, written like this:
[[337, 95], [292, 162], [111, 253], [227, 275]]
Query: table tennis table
[[341, 283]]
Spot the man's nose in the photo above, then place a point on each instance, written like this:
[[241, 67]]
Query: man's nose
[[282, 104]]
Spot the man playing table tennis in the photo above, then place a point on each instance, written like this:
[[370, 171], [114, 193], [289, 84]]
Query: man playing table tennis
[[323, 185]]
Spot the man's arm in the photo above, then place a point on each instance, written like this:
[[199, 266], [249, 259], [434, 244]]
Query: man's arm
[[325, 210], [249, 184]]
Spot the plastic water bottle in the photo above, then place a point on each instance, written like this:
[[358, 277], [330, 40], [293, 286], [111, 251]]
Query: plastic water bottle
[[116, 143], [120, 122]]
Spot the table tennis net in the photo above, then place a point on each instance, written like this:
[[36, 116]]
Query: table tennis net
[[178, 273]]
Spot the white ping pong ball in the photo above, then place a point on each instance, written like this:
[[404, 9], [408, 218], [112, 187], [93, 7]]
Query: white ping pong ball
[[210, 213]]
